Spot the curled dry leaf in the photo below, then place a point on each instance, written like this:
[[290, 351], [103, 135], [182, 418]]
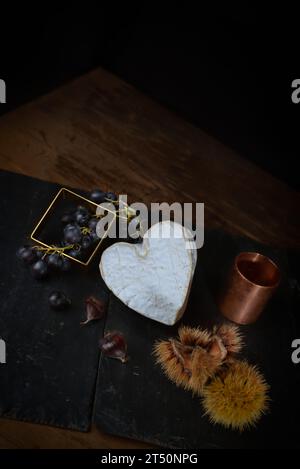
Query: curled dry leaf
[[95, 309], [114, 345]]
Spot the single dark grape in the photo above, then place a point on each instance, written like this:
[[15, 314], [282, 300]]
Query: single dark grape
[[39, 253], [72, 234], [27, 254], [66, 264], [39, 269], [94, 237], [86, 242], [58, 301], [93, 223], [82, 218], [97, 196], [54, 260], [76, 253], [111, 196], [20, 251]]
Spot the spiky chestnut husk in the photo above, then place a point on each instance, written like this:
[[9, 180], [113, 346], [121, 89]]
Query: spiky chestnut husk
[[185, 365], [229, 335], [190, 361], [237, 397], [231, 338], [175, 365], [194, 336]]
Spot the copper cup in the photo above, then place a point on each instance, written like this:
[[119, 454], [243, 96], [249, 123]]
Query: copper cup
[[251, 283]]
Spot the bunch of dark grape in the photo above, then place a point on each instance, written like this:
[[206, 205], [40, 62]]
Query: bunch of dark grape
[[79, 236], [32, 256], [41, 261]]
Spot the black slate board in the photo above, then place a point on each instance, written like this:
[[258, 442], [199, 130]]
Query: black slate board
[[52, 362], [136, 400]]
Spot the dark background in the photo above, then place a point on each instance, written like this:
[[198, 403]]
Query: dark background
[[227, 67]]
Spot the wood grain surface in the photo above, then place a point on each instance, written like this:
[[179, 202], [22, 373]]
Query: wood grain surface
[[100, 132]]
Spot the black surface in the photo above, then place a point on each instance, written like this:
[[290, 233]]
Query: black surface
[[52, 362], [226, 67], [137, 400]]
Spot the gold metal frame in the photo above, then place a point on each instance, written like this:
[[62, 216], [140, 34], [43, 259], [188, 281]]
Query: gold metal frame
[[60, 192]]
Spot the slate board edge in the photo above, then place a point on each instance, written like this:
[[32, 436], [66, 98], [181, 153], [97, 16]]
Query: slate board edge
[[16, 415]]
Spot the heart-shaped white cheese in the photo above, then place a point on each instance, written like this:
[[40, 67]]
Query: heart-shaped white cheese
[[153, 277]]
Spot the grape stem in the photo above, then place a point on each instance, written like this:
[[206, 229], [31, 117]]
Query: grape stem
[[85, 230], [54, 249]]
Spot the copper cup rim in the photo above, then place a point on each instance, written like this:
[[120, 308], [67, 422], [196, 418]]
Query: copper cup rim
[[261, 256]]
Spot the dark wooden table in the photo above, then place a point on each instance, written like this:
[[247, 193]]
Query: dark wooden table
[[100, 132]]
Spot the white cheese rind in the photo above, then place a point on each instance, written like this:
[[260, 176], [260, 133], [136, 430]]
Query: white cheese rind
[[154, 277]]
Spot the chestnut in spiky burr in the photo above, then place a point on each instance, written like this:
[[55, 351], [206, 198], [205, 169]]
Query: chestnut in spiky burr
[[236, 397], [196, 355], [231, 338]]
